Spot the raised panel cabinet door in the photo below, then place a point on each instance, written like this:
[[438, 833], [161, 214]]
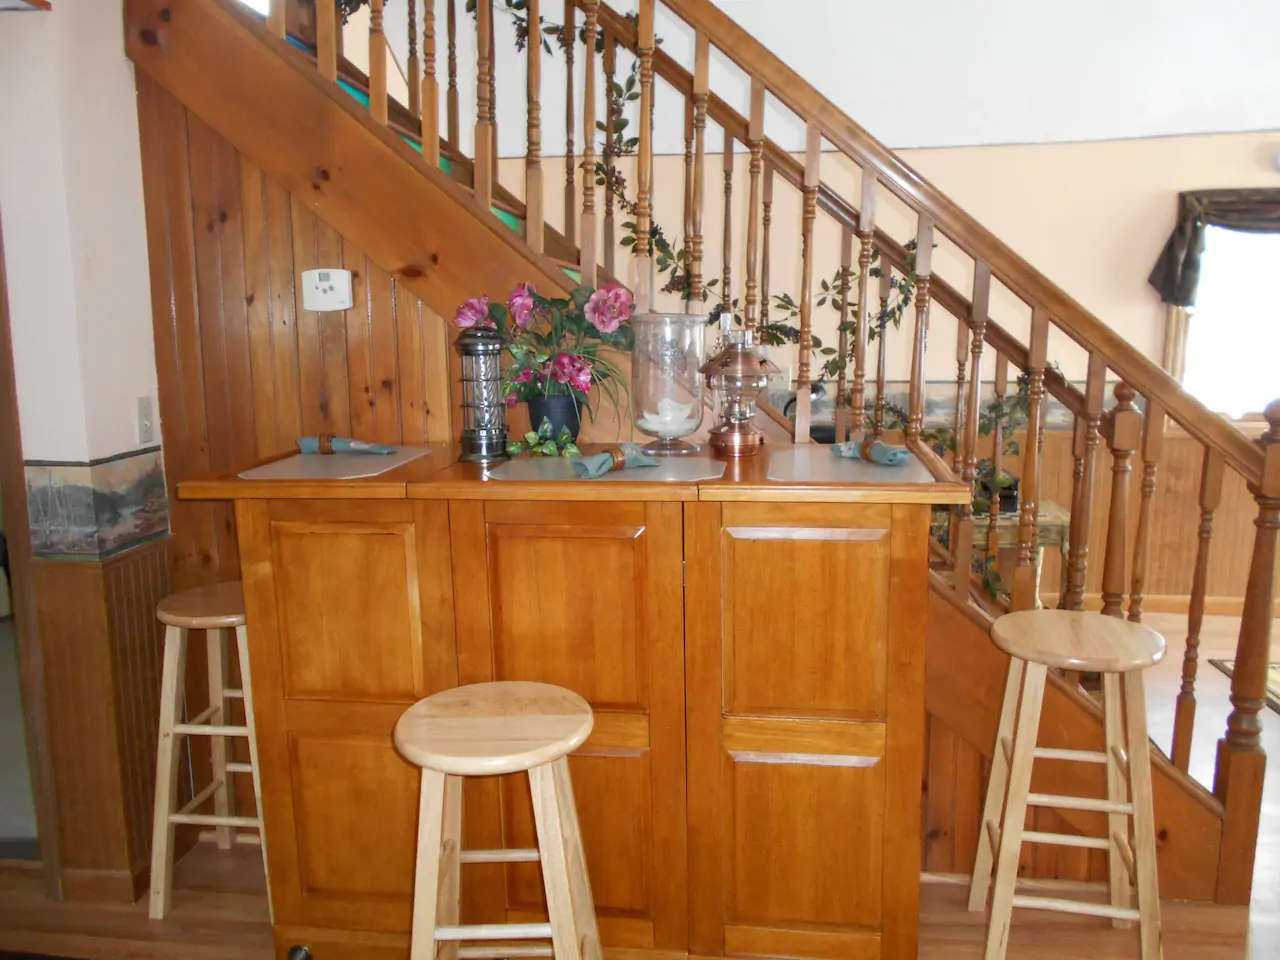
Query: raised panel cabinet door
[[587, 596], [804, 664], [350, 613]]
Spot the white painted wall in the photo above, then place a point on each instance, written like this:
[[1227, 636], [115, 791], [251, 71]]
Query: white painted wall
[[74, 231]]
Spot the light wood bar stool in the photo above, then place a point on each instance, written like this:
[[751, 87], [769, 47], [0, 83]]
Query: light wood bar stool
[[1120, 650], [484, 730], [218, 609]]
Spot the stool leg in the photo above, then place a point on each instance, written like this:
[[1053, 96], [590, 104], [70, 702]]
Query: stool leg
[[426, 881], [997, 784], [555, 867], [1015, 811], [449, 895], [171, 674], [216, 655], [1117, 823], [579, 883], [1144, 829], [246, 688]]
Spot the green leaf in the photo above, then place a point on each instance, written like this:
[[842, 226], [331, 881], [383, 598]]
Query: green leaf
[[571, 450], [514, 447], [531, 438]]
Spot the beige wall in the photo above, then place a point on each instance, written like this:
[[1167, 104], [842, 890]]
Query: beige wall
[[1091, 216]]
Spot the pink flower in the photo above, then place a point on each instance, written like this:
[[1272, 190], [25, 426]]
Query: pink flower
[[473, 313], [512, 400], [521, 305], [524, 376], [573, 370], [608, 307]]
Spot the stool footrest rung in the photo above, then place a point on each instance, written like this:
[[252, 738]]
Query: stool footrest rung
[[235, 693], [209, 730], [496, 931], [211, 820], [1060, 905], [493, 951], [236, 767], [499, 856], [1065, 839], [1078, 803], [1056, 753]]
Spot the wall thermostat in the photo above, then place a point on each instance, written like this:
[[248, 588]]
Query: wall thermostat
[[325, 290]]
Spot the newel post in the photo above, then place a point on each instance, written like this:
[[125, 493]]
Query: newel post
[[1126, 429], [1241, 761]]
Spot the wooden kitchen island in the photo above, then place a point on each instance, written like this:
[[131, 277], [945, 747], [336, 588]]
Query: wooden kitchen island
[[753, 649]]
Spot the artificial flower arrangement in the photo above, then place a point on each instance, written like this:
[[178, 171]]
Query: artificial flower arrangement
[[555, 346]]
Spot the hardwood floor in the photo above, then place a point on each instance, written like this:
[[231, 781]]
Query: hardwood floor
[[220, 909]]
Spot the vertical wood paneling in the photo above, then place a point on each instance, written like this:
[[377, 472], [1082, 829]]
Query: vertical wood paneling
[[243, 370]]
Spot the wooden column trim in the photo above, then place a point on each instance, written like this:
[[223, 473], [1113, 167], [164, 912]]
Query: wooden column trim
[[588, 243], [755, 143], [534, 229], [1126, 427], [701, 79]]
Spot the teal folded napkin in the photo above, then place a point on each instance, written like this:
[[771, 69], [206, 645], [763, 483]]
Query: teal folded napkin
[[597, 465], [882, 453], [344, 445]]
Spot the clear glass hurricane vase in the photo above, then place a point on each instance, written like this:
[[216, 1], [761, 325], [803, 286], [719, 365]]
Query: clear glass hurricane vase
[[667, 391]]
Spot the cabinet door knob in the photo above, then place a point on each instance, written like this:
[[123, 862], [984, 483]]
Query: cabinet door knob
[[299, 952]]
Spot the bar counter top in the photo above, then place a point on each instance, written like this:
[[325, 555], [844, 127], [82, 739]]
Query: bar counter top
[[800, 473]]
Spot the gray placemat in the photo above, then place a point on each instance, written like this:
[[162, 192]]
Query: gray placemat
[[335, 466], [817, 463], [668, 470]]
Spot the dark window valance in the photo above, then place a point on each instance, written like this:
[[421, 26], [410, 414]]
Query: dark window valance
[[1177, 273]]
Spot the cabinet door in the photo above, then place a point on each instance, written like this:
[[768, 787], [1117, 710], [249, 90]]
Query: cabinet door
[[805, 648], [350, 609], [586, 596]]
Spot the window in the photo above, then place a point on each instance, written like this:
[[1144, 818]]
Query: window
[[259, 5], [1233, 336]]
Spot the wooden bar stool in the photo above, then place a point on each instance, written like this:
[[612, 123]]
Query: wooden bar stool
[[1119, 650], [218, 609], [484, 730]]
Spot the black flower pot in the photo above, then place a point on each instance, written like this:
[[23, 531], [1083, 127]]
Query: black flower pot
[[561, 411]]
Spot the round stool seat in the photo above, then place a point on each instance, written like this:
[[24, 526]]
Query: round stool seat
[[491, 728], [213, 607], [1076, 640]]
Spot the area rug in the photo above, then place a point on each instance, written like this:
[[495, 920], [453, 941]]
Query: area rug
[[1273, 680]]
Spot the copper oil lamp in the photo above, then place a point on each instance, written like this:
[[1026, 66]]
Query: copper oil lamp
[[738, 373]]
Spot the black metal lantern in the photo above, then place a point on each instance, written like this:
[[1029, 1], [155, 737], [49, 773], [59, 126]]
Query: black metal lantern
[[484, 417]]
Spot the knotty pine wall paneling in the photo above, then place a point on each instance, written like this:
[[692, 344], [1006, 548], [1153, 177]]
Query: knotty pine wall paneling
[[243, 370]]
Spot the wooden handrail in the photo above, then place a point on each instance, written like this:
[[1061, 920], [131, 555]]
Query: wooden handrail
[[1024, 280]]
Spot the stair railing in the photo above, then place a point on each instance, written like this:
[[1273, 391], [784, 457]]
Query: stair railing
[[1145, 398]]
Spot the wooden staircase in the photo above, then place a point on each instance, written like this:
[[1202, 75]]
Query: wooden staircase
[[396, 181]]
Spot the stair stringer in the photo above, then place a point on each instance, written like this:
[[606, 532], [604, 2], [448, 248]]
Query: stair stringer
[[964, 689], [265, 97]]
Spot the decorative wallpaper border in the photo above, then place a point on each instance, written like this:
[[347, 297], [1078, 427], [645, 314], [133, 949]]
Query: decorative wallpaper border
[[94, 509]]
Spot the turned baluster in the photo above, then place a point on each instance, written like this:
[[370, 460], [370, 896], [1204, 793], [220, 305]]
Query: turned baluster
[[568, 40], [688, 188], [1126, 429], [962, 360], [701, 81], [924, 261], [276, 17], [327, 39], [588, 250], [755, 143], [1085, 449], [766, 223], [999, 387], [1025, 594], [1184, 717], [842, 345], [644, 168], [610, 133], [413, 75], [726, 272], [377, 63], [429, 99], [493, 95], [812, 179], [534, 218], [1152, 444], [882, 346], [451, 95], [967, 446], [1241, 760], [483, 170], [864, 318]]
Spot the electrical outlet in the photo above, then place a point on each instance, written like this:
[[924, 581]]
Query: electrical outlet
[[146, 421]]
